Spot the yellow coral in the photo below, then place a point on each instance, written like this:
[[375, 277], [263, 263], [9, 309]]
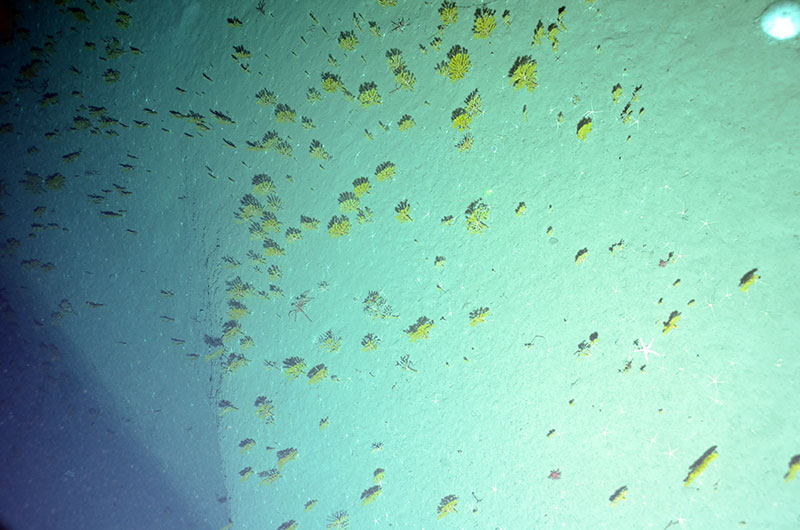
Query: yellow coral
[[700, 464], [404, 79], [369, 342], [375, 30], [385, 171], [237, 310], [794, 467], [395, 59], [466, 143], [263, 184], [461, 119], [284, 114], [484, 23], [293, 235], [285, 456], [672, 322], [473, 103], [268, 477], [420, 329], [316, 150], [561, 11], [478, 315], [584, 128], [246, 445], [523, 73], [313, 95], [293, 367], [458, 63], [748, 279], [448, 12], [368, 95], [339, 226], [538, 33], [317, 374], [331, 82], [111, 75], [338, 521], [616, 92], [552, 32], [308, 223], [231, 330], [123, 20], [447, 505], [618, 495], [370, 494], [405, 123], [361, 187], [240, 52], [348, 202], [364, 215], [348, 40], [403, 211], [476, 214]]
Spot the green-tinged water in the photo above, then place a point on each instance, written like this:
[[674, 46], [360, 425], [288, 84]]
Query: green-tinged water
[[414, 266]]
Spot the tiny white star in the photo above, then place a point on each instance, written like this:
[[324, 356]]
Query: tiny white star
[[646, 350]]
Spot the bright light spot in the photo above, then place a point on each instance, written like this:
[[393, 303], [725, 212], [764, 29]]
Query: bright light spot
[[781, 20]]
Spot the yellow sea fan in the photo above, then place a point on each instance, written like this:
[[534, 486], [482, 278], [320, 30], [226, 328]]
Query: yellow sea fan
[[338, 226], [331, 82], [405, 80], [385, 171], [284, 113], [316, 150], [458, 63], [338, 521], [368, 95], [348, 202], [523, 73], [584, 128], [473, 103], [420, 329], [700, 464], [672, 322], [361, 186], [285, 456], [395, 59], [485, 23], [403, 210], [447, 505], [478, 315], [448, 12], [348, 40], [317, 374], [461, 119], [466, 143], [477, 213], [370, 494], [405, 123], [263, 184]]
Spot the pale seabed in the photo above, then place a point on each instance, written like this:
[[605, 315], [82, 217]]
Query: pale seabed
[[317, 265]]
